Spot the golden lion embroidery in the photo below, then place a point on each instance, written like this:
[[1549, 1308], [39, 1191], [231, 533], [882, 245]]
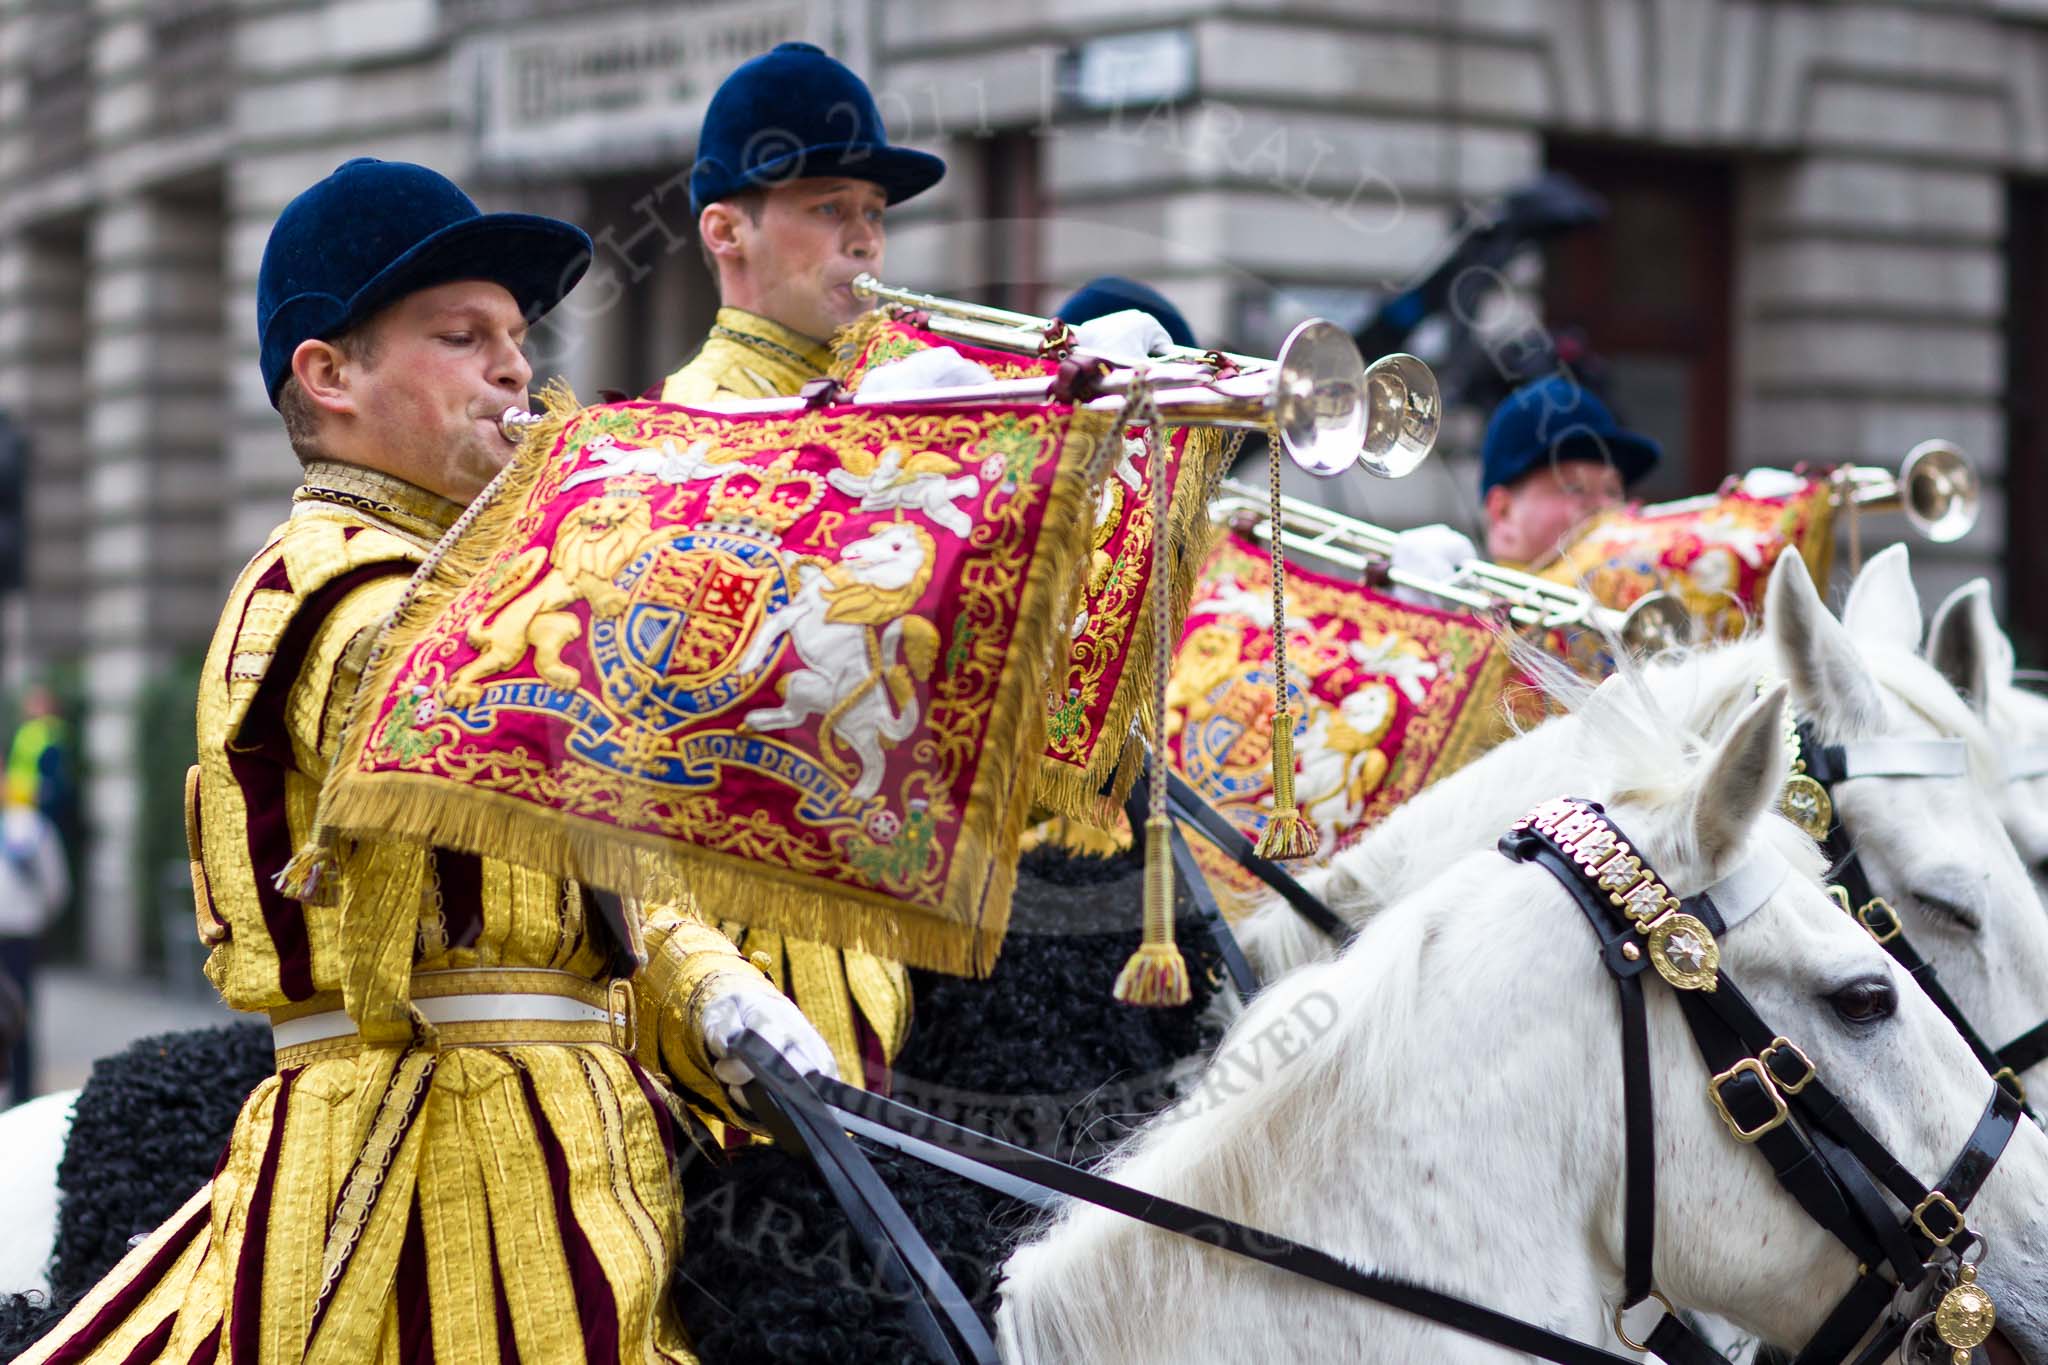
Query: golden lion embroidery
[[847, 622], [594, 542], [1342, 764]]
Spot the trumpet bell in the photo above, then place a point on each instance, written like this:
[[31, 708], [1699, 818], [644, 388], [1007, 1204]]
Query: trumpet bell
[[1658, 621], [1403, 413], [1938, 491], [1331, 412]]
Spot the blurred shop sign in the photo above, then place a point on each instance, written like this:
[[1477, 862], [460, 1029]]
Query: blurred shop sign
[[1129, 69], [620, 91]]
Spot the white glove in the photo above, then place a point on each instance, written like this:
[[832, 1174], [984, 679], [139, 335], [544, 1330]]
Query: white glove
[[779, 1022], [1434, 552], [938, 367], [1125, 338], [1771, 483]]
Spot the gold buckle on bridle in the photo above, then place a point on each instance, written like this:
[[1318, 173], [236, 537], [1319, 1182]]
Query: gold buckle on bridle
[[1622, 1332], [1762, 1073], [1934, 1198], [2010, 1079], [1890, 922], [1787, 1045]]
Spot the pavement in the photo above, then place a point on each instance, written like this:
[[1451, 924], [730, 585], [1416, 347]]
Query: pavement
[[83, 1015]]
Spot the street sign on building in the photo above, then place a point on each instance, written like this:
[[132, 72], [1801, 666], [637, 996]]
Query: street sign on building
[[616, 91]]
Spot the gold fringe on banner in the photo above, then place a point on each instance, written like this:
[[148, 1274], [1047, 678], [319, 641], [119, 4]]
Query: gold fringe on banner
[[1095, 795], [963, 937]]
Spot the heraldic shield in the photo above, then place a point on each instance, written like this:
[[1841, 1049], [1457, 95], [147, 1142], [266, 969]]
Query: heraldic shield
[[1093, 701], [699, 649]]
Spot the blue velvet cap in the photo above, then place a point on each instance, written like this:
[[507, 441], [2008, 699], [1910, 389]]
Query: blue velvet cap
[[375, 231], [1106, 294], [793, 113], [1554, 419]]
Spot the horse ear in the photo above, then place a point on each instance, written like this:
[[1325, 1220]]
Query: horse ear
[[1741, 779], [1828, 677], [1966, 646], [1884, 606]]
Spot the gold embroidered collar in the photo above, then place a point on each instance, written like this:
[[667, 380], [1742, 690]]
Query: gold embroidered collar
[[404, 506], [772, 340]]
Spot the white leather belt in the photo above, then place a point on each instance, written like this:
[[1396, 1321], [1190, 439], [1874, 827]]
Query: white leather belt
[[454, 1009], [1744, 891], [1905, 758], [2026, 762]]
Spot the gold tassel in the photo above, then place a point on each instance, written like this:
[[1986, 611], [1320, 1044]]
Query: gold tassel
[[309, 876], [1156, 974], [1287, 835]]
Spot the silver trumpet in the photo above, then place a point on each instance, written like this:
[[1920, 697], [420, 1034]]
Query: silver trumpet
[[1935, 486], [1657, 621], [1329, 409]]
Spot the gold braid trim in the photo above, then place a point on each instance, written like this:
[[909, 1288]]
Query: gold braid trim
[[1095, 795], [965, 935]]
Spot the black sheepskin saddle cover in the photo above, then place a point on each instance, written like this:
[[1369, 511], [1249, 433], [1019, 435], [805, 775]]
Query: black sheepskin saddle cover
[[1040, 1054]]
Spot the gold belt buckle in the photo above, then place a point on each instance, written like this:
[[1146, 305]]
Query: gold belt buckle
[[622, 1002]]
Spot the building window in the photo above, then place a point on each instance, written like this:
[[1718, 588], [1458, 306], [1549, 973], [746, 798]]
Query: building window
[[2026, 418], [1648, 292], [1012, 204]]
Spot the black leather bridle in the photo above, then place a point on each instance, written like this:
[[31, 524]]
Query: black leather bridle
[[1765, 1089], [1825, 765]]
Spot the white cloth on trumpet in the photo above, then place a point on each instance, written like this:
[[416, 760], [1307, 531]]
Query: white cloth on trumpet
[[938, 367], [1434, 552], [1127, 338]]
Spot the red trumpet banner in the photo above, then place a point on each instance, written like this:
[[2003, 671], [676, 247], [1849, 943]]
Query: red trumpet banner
[[795, 661]]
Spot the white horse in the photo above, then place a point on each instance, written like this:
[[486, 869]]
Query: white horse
[[1459, 1124], [1933, 847], [32, 1136], [2017, 716]]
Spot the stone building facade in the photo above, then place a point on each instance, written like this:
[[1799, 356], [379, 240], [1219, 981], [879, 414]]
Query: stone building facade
[[1827, 221]]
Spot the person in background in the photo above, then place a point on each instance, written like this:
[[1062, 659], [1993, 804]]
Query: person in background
[[34, 884], [794, 176], [1554, 456]]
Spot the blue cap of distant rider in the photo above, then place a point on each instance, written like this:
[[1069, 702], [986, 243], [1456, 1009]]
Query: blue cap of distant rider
[[1554, 419]]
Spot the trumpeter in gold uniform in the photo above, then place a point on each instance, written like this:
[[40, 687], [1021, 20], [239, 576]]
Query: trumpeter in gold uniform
[[468, 1152], [793, 176]]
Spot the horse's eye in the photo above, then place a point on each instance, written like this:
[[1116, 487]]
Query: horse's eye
[[1945, 909], [1865, 1002]]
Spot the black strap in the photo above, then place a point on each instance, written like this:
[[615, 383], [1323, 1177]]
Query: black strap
[[797, 1119], [1827, 764], [1639, 1147], [2028, 1050], [1188, 804], [1002, 1166]]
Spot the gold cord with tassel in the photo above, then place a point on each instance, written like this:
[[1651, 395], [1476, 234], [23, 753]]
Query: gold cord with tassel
[[1156, 974], [1288, 833]]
